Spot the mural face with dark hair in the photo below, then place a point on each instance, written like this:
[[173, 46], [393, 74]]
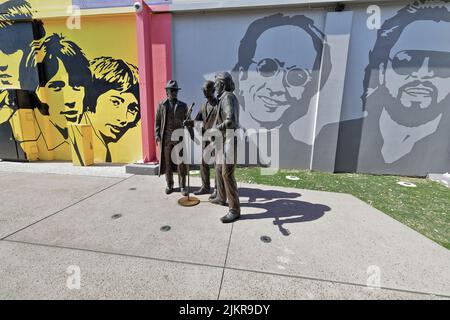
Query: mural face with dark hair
[[114, 102], [17, 31], [16, 34], [67, 75], [276, 77], [407, 93]]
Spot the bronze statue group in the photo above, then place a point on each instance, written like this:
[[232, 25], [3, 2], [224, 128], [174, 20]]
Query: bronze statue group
[[220, 113]]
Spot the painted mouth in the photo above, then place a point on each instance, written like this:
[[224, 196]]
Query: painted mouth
[[70, 115], [272, 105], [115, 129], [4, 79], [419, 91]]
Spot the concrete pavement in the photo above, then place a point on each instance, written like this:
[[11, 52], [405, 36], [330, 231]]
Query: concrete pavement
[[323, 245]]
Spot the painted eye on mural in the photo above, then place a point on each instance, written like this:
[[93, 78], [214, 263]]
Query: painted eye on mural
[[133, 109], [116, 102], [267, 67], [76, 88], [407, 62], [297, 77], [56, 85]]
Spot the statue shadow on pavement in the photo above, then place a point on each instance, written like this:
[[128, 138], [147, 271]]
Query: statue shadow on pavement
[[280, 206]]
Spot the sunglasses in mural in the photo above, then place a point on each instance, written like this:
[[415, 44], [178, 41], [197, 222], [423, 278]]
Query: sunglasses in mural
[[293, 76], [407, 62]]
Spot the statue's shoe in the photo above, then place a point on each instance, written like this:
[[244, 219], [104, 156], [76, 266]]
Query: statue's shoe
[[202, 191], [213, 195], [184, 192], [230, 217], [218, 202], [169, 190]]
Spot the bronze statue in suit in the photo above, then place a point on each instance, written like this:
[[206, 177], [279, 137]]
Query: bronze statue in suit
[[227, 121], [207, 115], [170, 115]]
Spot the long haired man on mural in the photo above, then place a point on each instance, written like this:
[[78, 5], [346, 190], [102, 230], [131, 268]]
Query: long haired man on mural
[[62, 92], [406, 97], [171, 114], [277, 76], [114, 102]]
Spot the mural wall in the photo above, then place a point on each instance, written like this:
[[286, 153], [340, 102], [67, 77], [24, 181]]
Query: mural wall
[[344, 95], [406, 94], [276, 61], [395, 108], [76, 76]]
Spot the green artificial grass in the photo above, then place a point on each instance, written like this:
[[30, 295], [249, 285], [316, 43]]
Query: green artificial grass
[[425, 209]]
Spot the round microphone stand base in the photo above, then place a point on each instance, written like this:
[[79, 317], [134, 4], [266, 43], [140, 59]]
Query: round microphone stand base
[[188, 201]]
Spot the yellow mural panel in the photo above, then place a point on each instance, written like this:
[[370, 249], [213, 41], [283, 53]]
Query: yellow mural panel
[[83, 75], [49, 8]]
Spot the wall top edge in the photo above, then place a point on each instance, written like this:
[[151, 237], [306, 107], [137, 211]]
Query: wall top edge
[[66, 8]]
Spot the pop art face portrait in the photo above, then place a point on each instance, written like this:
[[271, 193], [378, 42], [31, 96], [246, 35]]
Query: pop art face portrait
[[114, 100], [417, 74], [276, 78], [67, 75], [280, 58], [407, 92], [16, 34]]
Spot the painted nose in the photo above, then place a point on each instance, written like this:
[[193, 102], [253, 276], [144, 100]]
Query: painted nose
[[275, 85], [71, 105]]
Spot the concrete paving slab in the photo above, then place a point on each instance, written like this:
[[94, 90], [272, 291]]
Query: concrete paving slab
[[67, 168], [196, 233], [27, 198], [334, 237], [244, 285], [36, 272]]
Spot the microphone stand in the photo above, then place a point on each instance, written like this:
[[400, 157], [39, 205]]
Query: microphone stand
[[189, 201]]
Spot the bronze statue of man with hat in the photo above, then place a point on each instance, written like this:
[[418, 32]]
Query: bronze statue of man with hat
[[170, 115]]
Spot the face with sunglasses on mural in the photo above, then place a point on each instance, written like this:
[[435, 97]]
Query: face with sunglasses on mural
[[275, 74], [416, 76]]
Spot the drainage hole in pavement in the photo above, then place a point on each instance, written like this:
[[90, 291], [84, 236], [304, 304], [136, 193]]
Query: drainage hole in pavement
[[165, 228], [132, 189], [116, 216], [266, 239]]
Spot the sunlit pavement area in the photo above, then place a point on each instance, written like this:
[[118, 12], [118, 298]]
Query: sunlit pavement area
[[98, 233]]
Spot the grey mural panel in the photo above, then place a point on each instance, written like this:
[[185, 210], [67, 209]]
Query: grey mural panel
[[407, 94], [395, 110], [275, 59]]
